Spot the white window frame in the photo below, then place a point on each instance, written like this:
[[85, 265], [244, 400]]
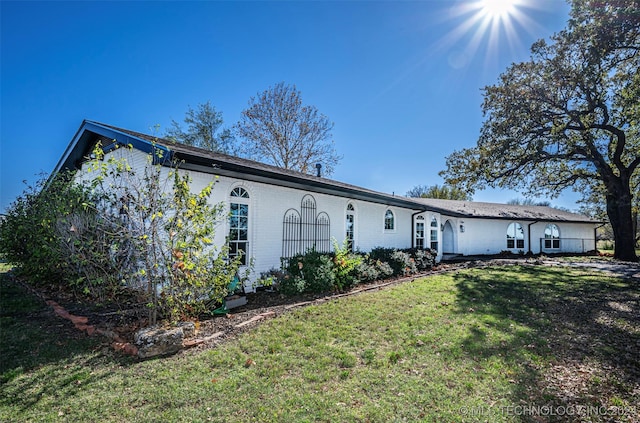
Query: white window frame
[[512, 236], [419, 232], [389, 222], [240, 196], [433, 233], [350, 232], [552, 237]]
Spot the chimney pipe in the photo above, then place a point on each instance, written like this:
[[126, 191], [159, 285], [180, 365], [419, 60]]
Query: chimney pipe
[[318, 170]]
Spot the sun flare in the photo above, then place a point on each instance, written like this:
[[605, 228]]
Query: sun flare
[[487, 28], [497, 9]]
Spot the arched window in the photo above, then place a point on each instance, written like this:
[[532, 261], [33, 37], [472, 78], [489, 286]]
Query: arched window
[[515, 235], [239, 224], [389, 221], [239, 192], [350, 223], [434, 233], [552, 236]]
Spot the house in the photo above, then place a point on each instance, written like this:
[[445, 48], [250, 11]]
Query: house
[[277, 213]]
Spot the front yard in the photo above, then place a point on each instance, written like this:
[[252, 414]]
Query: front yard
[[504, 343]]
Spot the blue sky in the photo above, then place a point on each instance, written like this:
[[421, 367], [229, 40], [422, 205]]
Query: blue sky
[[400, 80]]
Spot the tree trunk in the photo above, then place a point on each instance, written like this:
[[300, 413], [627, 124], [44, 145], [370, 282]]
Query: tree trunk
[[620, 216]]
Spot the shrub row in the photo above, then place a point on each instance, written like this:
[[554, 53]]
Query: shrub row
[[340, 270]]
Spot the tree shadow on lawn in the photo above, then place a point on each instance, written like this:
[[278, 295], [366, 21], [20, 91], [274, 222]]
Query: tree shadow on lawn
[[54, 357], [574, 336]]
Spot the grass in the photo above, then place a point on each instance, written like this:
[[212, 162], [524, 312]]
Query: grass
[[467, 346]]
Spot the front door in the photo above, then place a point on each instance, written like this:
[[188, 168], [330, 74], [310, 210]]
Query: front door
[[447, 239]]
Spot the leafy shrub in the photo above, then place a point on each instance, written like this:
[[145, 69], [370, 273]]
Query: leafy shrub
[[28, 236], [117, 227], [311, 272], [382, 254], [317, 272], [369, 270], [402, 263], [345, 266], [424, 259], [384, 269]]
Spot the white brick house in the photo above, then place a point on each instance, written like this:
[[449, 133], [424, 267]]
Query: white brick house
[[276, 213]]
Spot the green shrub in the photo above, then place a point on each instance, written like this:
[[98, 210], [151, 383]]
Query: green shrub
[[345, 266], [424, 259], [402, 263], [384, 269], [28, 237], [272, 278], [311, 272], [317, 272], [118, 228], [369, 270]]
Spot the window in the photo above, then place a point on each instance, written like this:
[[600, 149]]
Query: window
[[350, 226], [239, 224], [552, 236], [515, 235], [389, 221], [420, 232], [240, 192], [434, 233]]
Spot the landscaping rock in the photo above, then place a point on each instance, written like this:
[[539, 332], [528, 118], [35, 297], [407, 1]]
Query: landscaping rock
[[188, 329], [156, 341]]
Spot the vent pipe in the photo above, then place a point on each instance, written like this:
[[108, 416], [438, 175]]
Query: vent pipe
[[318, 169]]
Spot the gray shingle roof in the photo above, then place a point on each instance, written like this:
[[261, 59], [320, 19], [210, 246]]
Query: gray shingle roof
[[207, 161], [502, 211]]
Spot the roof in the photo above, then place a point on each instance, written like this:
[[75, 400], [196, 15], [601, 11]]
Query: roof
[[201, 160], [475, 209], [198, 159]]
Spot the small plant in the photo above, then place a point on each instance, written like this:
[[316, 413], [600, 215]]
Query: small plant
[[272, 278], [345, 266]]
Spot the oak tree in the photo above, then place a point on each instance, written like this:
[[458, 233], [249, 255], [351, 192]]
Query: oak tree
[[568, 117]]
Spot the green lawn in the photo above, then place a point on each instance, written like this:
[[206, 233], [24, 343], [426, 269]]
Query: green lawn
[[495, 344]]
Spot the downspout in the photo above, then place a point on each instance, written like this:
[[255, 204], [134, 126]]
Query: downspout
[[529, 235], [413, 239]]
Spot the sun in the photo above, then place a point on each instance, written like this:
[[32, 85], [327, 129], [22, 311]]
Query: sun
[[497, 9], [486, 28]]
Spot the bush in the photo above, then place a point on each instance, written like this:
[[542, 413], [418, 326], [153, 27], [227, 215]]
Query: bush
[[28, 237], [402, 263], [272, 278], [345, 267], [424, 259], [317, 272], [117, 228], [311, 272], [367, 270]]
